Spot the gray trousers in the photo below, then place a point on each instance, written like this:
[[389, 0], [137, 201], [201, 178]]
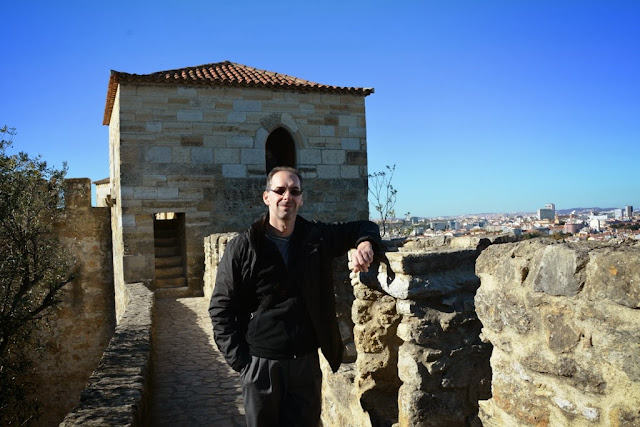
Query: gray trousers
[[282, 393]]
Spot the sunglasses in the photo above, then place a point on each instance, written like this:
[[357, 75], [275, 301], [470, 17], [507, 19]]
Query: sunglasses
[[281, 190]]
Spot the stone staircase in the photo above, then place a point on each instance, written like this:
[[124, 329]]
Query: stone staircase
[[169, 271]]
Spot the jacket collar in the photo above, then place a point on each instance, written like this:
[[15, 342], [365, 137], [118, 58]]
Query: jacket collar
[[259, 226]]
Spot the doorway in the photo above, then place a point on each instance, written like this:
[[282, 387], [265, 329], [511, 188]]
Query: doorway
[[169, 245]]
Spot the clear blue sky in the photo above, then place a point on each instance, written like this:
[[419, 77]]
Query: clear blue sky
[[484, 106]]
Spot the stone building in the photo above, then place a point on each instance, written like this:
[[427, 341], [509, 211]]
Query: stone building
[[189, 152]]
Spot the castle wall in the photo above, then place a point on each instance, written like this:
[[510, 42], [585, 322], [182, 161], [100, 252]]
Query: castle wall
[[83, 323], [564, 322], [201, 151]]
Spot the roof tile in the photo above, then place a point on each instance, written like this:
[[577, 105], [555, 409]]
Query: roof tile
[[224, 73]]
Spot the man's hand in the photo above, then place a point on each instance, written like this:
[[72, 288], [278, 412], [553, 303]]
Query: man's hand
[[362, 257]]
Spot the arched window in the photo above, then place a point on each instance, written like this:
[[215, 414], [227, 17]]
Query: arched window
[[279, 150]]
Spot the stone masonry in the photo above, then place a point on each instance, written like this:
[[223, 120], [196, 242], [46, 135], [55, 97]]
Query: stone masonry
[[564, 321]]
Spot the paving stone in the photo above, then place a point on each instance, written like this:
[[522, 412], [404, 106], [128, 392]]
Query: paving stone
[[192, 383]]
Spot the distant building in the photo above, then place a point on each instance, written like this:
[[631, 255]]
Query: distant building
[[595, 223], [103, 192], [573, 228], [438, 225], [618, 213], [628, 211], [548, 212]]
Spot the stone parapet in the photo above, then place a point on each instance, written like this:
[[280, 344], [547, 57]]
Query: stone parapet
[[564, 322], [77, 193], [214, 246], [117, 392], [420, 360]]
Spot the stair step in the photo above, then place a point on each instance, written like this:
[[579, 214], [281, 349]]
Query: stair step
[[169, 273], [165, 232], [175, 282], [168, 261], [181, 292], [166, 223], [169, 251], [166, 241]]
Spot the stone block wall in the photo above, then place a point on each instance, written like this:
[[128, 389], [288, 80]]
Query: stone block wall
[[201, 151], [564, 320], [83, 323]]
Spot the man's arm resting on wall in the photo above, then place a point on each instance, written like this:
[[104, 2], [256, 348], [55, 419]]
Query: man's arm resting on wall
[[362, 257]]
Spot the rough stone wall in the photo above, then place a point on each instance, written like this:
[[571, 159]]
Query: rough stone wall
[[214, 247], [564, 321], [84, 321], [420, 360], [201, 151], [117, 393]]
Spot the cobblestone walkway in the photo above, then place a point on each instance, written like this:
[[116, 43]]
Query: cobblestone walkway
[[192, 384]]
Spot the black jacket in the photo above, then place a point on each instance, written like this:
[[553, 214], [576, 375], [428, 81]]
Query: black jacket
[[261, 308]]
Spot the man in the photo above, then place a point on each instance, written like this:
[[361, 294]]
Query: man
[[273, 303]]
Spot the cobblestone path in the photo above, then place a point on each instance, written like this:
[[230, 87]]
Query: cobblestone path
[[192, 384]]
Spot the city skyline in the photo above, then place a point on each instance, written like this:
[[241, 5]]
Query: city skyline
[[495, 107]]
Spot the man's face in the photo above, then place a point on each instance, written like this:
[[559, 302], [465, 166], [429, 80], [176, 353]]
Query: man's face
[[283, 206]]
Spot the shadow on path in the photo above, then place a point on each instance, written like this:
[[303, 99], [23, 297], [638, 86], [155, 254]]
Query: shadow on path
[[192, 384]]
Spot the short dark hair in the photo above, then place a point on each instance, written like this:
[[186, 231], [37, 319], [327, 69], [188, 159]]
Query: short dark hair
[[282, 169]]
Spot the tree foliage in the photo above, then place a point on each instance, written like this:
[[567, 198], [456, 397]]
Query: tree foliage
[[383, 196], [33, 268]]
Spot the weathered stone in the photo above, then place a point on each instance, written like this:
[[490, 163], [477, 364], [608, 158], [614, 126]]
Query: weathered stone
[[613, 275], [562, 337], [577, 361], [560, 270], [506, 395], [420, 262], [419, 331], [430, 284]]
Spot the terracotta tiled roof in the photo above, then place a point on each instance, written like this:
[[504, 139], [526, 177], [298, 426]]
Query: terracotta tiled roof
[[221, 74], [106, 180]]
